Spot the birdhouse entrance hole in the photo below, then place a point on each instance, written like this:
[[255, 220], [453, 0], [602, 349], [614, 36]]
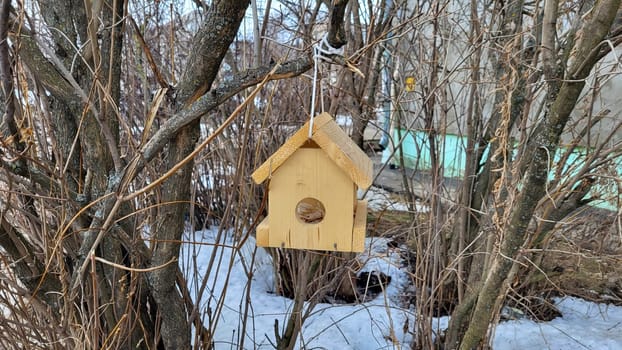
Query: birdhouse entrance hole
[[310, 211]]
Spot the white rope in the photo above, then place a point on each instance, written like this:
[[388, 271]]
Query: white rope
[[326, 50], [322, 51], [316, 62]]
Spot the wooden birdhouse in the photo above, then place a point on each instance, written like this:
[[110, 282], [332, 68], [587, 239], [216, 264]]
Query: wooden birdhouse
[[312, 191]]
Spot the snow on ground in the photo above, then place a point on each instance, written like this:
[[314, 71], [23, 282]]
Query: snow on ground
[[379, 199], [363, 326], [376, 324], [584, 325]]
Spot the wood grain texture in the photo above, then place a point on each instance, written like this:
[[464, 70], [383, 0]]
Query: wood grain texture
[[328, 170], [358, 233], [310, 173], [263, 232], [360, 225], [296, 141], [345, 153], [336, 144]]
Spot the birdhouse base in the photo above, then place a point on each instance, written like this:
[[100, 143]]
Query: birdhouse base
[[330, 241]]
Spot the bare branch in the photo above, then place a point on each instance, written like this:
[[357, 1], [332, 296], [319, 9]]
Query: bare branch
[[211, 43], [336, 31], [549, 31], [6, 78], [587, 47], [216, 97], [156, 71], [58, 80]]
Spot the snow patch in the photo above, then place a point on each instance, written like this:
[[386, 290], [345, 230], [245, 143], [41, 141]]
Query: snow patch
[[379, 200], [375, 324]]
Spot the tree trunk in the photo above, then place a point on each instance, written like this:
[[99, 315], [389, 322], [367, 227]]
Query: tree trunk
[[210, 46], [543, 143]]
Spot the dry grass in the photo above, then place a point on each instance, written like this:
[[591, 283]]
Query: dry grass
[[584, 258]]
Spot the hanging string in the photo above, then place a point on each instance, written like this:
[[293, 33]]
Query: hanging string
[[316, 62], [322, 51]]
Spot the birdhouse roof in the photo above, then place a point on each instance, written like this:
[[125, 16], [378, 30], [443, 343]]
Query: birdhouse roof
[[333, 141]]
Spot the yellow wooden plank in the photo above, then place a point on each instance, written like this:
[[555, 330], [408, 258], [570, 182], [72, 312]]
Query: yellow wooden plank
[[355, 199], [289, 147], [310, 173], [330, 137], [345, 153], [360, 224], [263, 233]]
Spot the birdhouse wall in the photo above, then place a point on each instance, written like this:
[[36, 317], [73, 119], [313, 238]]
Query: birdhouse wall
[[310, 173]]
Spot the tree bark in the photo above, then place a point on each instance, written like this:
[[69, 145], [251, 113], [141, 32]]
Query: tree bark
[[209, 48], [81, 89], [543, 143], [475, 257]]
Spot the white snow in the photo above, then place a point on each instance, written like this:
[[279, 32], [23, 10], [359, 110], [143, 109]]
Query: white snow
[[379, 200], [584, 325], [376, 324], [370, 325]]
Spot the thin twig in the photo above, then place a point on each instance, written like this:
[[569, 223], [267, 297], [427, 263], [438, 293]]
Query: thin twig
[[131, 269]]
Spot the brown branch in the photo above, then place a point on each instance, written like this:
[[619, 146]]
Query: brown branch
[[336, 31], [132, 269], [211, 42], [203, 144], [549, 31], [612, 42], [217, 96], [595, 29], [43, 70], [556, 210], [55, 77], [6, 78], [28, 269], [158, 75]]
